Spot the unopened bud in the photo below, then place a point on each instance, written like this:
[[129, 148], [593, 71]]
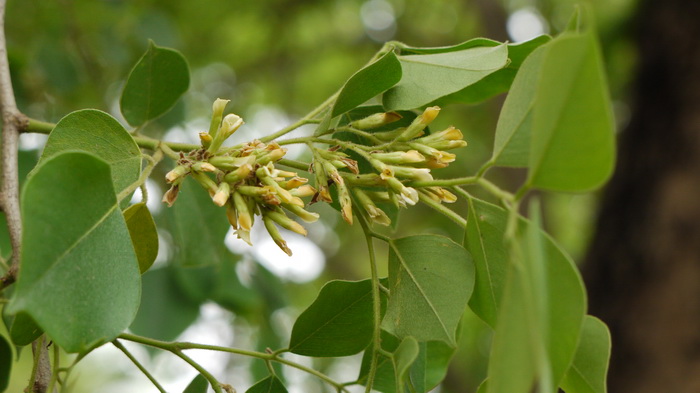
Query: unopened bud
[[229, 125], [271, 156], [206, 139], [399, 157], [293, 183], [376, 214], [285, 222], [206, 182], [447, 144], [239, 174], [305, 215], [345, 203], [275, 235], [217, 114], [177, 173], [222, 194], [408, 194], [422, 174], [419, 123], [245, 219], [376, 120], [231, 215], [303, 191], [449, 134], [203, 167], [442, 194]]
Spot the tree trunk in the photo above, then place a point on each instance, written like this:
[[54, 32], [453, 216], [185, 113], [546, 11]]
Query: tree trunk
[[643, 267]]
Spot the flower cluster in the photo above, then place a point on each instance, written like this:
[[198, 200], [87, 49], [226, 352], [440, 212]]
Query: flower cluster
[[246, 180], [399, 156]]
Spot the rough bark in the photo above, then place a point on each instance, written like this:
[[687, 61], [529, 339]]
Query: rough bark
[[643, 267]]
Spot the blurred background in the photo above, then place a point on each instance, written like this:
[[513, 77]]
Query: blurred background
[[638, 241]]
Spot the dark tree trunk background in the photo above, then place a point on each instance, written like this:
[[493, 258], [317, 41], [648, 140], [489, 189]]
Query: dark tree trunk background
[[643, 267]]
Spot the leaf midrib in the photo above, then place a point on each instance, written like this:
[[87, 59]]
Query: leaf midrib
[[420, 289]]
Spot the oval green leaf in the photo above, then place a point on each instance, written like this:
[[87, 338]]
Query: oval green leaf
[[367, 83], [100, 134], [144, 235], [80, 279], [573, 144], [270, 384], [588, 371], [338, 323], [154, 85], [428, 77], [198, 385], [5, 363], [430, 280]]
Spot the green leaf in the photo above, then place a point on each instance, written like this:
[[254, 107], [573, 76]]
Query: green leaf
[[573, 145], [430, 279], [486, 225], [501, 80], [100, 134], [427, 371], [512, 144], [144, 235], [367, 83], [155, 84], [590, 366], [270, 384], [403, 358], [5, 363], [23, 330], [80, 279], [483, 387], [198, 385], [540, 310], [427, 77], [338, 323], [165, 311]]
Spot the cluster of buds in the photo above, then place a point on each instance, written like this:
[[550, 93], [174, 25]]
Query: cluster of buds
[[244, 180], [404, 155]]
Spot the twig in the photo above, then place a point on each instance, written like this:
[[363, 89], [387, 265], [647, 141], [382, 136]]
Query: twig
[[138, 365], [12, 122]]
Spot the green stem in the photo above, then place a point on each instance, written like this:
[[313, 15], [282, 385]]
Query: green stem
[[39, 126], [308, 119], [143, 177], [437, 206], [178, 346], [55, 367], [503, 195], [35, 366], [138, 365], [294, 164], [215, 384], [376, 303], [459, 181]]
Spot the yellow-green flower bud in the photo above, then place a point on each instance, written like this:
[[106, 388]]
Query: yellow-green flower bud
[[203, 167], [376, 214], [422, 174], [206, 139], [285, 222], [419, 123], [292, 183], [345, 203], [178, 172], [303, 191], [245, 218], [407, 194], [399, 157], [229, 125], [231, 214], [323, 193], [218, 113], [275, 234], [222, 194], [376, 120], [442, 194], [239, 174], [228, 163], [305, 215], [447, 144], [271, 156], [206, 182]]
